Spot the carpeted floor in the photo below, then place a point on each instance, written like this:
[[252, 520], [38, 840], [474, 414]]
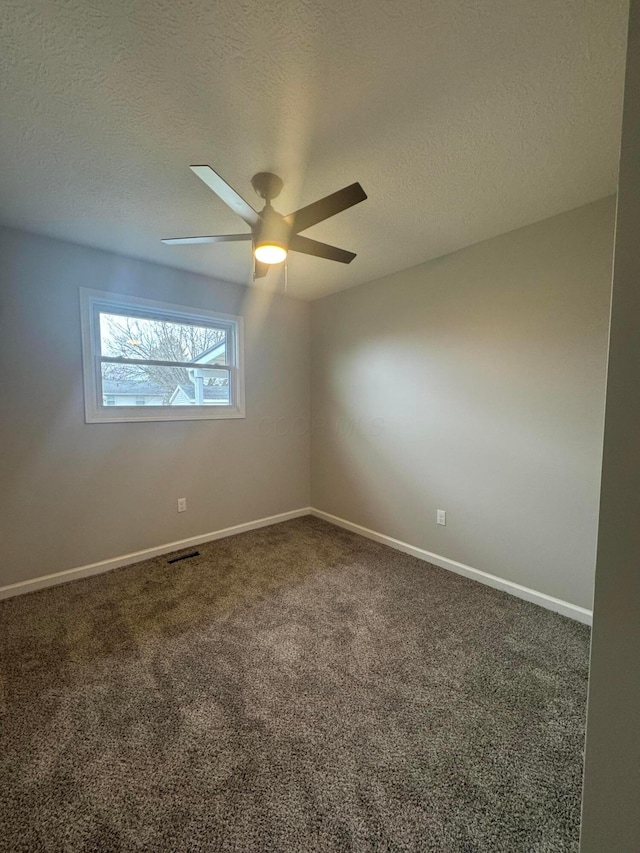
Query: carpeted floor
[[296, 688]]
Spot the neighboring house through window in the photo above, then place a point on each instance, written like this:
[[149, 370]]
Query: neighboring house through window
[[177, 362]]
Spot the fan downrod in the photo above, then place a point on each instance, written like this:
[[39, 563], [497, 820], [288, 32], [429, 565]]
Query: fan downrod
[[267, 185]]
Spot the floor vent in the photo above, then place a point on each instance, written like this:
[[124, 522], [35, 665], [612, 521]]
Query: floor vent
[[184, 557]]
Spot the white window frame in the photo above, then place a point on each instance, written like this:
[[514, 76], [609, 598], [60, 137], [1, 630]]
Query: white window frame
[[92, 302]]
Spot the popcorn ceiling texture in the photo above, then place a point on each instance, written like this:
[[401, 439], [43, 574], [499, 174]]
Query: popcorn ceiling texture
[[297, 688], [462, 119]]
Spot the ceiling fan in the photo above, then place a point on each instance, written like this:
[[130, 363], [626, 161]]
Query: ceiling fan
[[272, 234]]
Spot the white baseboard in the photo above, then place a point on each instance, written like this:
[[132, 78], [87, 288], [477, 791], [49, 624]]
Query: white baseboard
[[135, 557], [581, 614], [573, 611]]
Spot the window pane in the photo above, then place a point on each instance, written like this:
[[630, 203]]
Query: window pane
[[149, 385], [161, 340]]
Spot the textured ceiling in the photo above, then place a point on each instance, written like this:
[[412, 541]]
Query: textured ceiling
[[462, 119]]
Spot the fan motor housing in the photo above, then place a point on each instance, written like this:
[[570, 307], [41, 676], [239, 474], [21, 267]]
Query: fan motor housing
[[273, 228]]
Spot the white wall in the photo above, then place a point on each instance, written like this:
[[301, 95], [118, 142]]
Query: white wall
[[611, 810], [73, 493], [474, 383]]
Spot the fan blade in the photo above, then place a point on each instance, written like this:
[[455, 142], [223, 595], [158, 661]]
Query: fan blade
[[325, 207], [298, 243], [216, 238], [260, 269], [228, 195]]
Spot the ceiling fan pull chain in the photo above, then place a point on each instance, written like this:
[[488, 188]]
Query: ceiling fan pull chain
[[286, 276]]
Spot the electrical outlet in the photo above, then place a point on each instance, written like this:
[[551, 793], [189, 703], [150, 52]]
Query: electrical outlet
[[441, 517], [182, 504]]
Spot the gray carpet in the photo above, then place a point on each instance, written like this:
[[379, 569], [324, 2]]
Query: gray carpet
[[296, 688]]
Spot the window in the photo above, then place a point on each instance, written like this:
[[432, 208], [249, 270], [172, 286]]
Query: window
[[151, 361]]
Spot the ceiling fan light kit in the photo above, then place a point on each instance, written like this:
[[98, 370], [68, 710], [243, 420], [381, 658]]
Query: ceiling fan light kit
[[270, 253], [271, 242], [272, 234]]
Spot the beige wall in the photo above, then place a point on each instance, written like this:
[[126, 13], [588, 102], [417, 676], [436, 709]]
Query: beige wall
[[474, 383], [611, 810], [73, 493]]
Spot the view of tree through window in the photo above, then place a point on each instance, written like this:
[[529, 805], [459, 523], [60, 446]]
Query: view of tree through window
[[146, 339]]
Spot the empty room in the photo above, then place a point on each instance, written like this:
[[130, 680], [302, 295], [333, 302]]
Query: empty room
[[320, 470]]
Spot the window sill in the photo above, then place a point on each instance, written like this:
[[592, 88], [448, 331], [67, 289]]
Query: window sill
[[190, 414]]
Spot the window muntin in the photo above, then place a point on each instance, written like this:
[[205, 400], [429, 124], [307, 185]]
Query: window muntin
[[146, 360]]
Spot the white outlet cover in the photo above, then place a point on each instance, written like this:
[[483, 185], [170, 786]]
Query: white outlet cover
[[441, 516]]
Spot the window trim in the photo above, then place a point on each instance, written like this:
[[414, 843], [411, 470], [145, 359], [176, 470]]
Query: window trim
[[96, 412]]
